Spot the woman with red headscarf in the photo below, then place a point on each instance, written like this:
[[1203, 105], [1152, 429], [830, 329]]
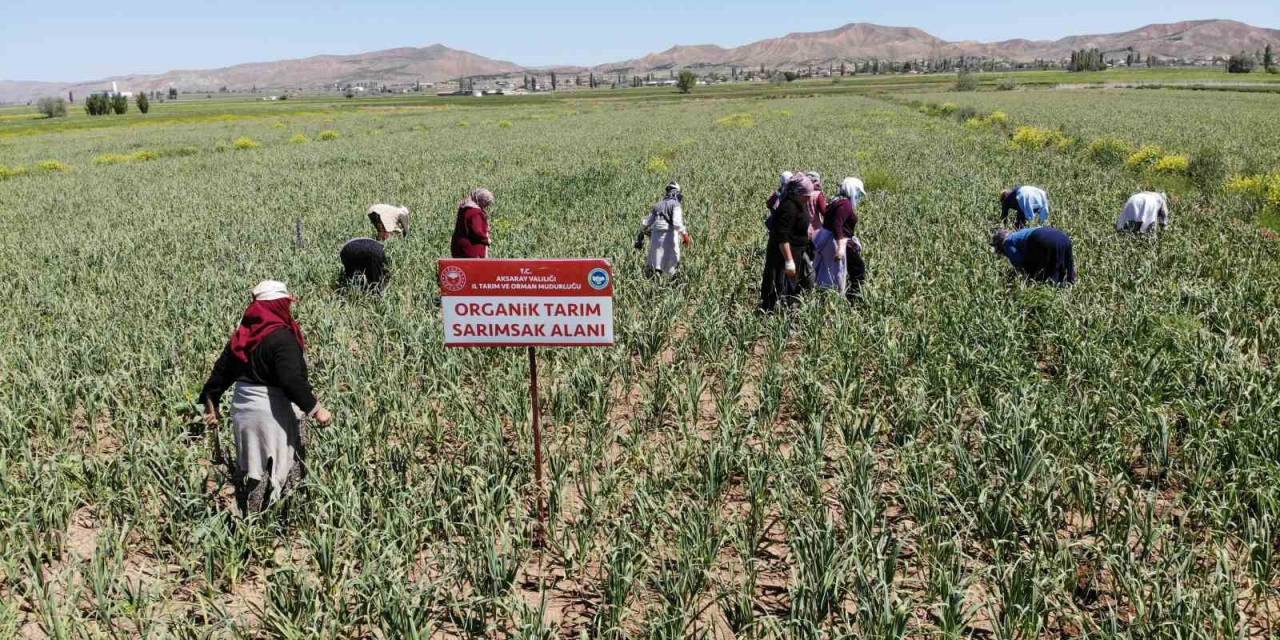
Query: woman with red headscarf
[[263, 359], [471, 228]]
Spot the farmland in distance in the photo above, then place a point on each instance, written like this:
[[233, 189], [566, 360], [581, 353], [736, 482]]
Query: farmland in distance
[[960, 454]]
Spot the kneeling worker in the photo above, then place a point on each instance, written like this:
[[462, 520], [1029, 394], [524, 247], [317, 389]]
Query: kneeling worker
[[366, 257], [1042, 254]]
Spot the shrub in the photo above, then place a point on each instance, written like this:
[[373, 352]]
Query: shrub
[[977, 123], [947, 108], [1208, 168], [1037, 138], [245, 142], [657, 165], [142, 155], [52, 166], [1144, 157], [97, 105], [504, 124], [11, 172], [119, 104], [686, 81], [966, 81], [998, 118], [329, 134], [52, 107], [298, 138], [1109, 151], [1006, 85], [1240, 63], [1172, 165], [740, 120], [144, 105]]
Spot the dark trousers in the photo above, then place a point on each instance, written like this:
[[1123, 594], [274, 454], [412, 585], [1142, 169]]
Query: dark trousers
[[776, 286], [857, 270]]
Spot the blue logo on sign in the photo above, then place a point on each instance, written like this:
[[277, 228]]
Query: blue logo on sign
[[598, 279]]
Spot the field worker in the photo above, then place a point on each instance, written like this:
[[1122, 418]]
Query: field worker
[[665, 227], [1146, 211], [785, 273], [1031, 204], [1042, 254], [389, 220], [838, 262], [365, 258], [776, 199], [263, 359], [819, 200], [471, 229]]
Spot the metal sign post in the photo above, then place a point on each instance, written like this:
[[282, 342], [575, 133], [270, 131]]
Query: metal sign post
[[528, 303]]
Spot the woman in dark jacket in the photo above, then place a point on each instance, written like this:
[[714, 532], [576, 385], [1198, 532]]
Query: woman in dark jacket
[[785, 272], [471, 228], [264, 360]]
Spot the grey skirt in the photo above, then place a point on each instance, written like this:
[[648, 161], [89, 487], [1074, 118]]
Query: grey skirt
[[268, 438]]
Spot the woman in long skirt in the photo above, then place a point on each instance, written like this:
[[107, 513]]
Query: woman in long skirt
[[264, 360]]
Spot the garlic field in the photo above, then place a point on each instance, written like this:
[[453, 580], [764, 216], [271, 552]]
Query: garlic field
[[959, 455]]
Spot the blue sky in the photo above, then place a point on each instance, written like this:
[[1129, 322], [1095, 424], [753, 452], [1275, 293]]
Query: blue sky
[[69, 40]]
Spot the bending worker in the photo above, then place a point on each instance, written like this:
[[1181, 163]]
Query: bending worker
[[389, 220], [1146, 211], [263, 359], [665, 227], [1030, 203], [1042, 254], [367, 257]]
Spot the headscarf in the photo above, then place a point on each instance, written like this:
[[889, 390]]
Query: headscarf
[[673, 191], [801, 185], [998, 236], [853, 189], [479, 199], [392, 218], [270, 310], [816, 178], [782, 184]]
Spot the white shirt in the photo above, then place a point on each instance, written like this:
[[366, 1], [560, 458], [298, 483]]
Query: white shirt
[[1143, 212]]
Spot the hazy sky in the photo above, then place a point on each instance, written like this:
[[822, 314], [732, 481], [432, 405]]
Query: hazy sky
[[71, 40]]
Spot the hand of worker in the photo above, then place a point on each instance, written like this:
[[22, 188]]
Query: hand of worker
[[790, 269], [688, 240], [210, 418], [322, 416]]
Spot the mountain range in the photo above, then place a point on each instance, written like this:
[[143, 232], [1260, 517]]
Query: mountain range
[[1198, 39]]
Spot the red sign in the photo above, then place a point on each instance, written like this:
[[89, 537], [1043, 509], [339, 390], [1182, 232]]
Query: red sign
[[551, 303]]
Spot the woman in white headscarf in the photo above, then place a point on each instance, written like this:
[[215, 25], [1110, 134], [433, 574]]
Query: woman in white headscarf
[[665, 227], [838, 260], [264, 361], [1146, 211]]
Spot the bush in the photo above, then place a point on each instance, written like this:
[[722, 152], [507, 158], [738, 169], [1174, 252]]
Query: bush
[[1006, 85], [1144, 157], [998, 118], [1172, 165], [144, 105], [1037, 138], [52, 107], [11, 172], [52, 166], [1208, 169], [328, 134], [245, 142], [966, 81], [741, 120], [686, 81], [298, 138], [119, 104], [1240, 63], [657, 165], [1109, 151], [97, 105], [504, 124]]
